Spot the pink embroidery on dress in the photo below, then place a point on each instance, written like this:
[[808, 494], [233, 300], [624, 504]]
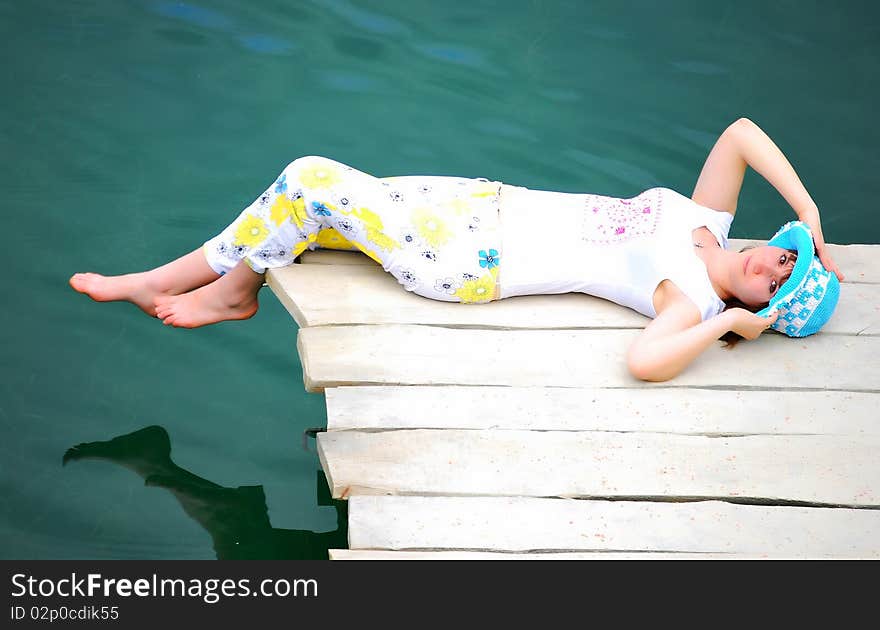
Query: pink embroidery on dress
[[614, 220]]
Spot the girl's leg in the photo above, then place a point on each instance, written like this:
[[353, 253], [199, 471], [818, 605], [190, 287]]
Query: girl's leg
[[233, 296], [184, 274], [438, 236], [271, 232], [413, 227]]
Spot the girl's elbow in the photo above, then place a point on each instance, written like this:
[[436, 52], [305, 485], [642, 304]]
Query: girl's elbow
[[637, 369], [645, 370], [742, 128]]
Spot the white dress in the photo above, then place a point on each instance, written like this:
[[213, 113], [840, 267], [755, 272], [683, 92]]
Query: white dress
[[617, 249]]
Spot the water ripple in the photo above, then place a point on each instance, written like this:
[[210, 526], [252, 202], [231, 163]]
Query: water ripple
[[367, 20], [560, 95], [616, 169], [266, 44], [193, 14], [453, 53], [210, 19], [697, 137], [505, 128], [347, 81], [700, 67]]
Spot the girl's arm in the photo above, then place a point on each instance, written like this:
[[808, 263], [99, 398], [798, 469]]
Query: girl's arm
[[743, 144], [673, 339]]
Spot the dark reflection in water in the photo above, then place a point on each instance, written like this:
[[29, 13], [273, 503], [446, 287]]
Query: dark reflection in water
[[236, 518]]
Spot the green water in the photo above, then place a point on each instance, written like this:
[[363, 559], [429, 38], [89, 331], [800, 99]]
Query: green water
[[134, 130]]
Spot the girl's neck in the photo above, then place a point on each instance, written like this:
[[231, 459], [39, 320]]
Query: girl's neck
[[718, 263]]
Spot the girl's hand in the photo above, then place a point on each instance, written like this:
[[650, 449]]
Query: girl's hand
[[821, 250], [748, 325]]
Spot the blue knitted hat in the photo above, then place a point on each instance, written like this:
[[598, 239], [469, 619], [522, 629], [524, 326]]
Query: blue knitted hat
[[808, 298]]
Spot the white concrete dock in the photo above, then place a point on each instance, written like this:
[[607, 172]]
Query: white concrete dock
[[512, 430]]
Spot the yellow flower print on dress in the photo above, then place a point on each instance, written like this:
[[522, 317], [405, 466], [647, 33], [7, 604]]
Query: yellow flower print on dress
[[320, 174], [480, 290], [281, 210], [368, 252], [299, 212], [431, 227], [328, 238], [374, 228], [459, 206], [251, 232], [368, 217], [301, 247], [484, 189], [382, 240]]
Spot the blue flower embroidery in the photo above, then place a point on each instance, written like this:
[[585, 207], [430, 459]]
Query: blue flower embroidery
[[281, 184], [320, 209], [489, 260]]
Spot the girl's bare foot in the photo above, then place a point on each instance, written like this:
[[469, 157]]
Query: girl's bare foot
[[136, 288], [142, 289], [207, 305]]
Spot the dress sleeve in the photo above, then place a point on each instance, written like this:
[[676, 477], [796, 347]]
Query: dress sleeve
[[719, 224]]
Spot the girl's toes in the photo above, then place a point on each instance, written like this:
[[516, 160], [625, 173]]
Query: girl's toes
[[164, 309]]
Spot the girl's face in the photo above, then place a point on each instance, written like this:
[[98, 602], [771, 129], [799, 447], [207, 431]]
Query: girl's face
[[759, 272]]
